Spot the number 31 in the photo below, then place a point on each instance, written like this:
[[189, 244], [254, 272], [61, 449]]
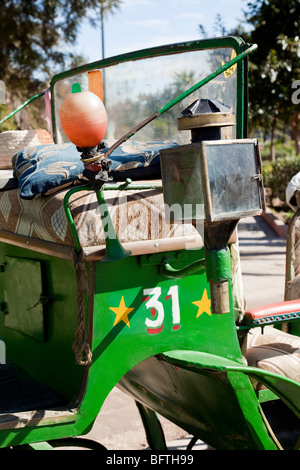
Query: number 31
[[156, 308]]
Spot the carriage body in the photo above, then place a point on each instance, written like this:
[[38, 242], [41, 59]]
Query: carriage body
[[139, 314]]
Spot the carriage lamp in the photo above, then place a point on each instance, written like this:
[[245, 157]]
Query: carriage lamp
[[84, 121], [213, 182]]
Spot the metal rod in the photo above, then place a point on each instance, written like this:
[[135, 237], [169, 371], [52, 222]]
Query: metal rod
[[289, 245], [15, 111], [179, 98], [114, 249], [69, 214]]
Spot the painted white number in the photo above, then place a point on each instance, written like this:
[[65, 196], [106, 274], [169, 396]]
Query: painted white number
[[173, 292], [157, 309]]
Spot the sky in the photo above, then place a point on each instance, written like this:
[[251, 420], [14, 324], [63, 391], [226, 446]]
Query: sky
[[140, 24]]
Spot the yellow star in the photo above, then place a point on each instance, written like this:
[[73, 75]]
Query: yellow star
[[121, 312], [203, 305]]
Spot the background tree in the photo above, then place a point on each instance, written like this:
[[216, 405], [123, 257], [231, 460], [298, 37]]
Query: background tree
[[274, 66], [275, 26], [34, 36]]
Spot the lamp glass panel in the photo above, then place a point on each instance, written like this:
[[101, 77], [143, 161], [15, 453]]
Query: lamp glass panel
[[182, 182], [233, 185]]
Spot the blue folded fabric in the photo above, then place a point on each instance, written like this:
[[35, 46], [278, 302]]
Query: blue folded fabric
[[44, 169]]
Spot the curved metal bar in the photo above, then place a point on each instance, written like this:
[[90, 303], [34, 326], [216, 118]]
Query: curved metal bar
[[168, 271], [285, 388], [289, 245], [179, 98], [114, 246], [76, 442], [70, 217]]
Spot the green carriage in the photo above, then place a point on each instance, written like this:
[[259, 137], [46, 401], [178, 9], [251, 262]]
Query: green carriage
[[103, 285]]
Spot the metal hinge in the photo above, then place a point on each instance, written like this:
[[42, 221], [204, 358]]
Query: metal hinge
[[257, 177], [3, 307], [42, 300], [2, 267]]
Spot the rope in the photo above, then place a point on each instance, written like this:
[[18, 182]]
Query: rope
[[81, 347]]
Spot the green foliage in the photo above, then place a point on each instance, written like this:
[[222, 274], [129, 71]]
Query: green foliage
[[9, 125], [274, 25], [278, 174], [283, 150], [34, 36], [34, 40], [275, 65]]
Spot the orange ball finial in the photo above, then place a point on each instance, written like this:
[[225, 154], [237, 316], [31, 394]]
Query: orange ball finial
[[83, 119]]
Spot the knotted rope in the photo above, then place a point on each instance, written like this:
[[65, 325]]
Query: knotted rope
[[81, 347]]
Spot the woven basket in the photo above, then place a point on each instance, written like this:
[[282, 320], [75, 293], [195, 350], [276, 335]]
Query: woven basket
[[13, 141]]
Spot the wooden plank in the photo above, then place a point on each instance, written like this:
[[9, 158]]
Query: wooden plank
[[96, 83], [94, 253], [36, 418], [33, 244]]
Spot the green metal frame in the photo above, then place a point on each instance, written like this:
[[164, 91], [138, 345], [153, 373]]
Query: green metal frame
[[22, 106], [235, 43], [113, 246]]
